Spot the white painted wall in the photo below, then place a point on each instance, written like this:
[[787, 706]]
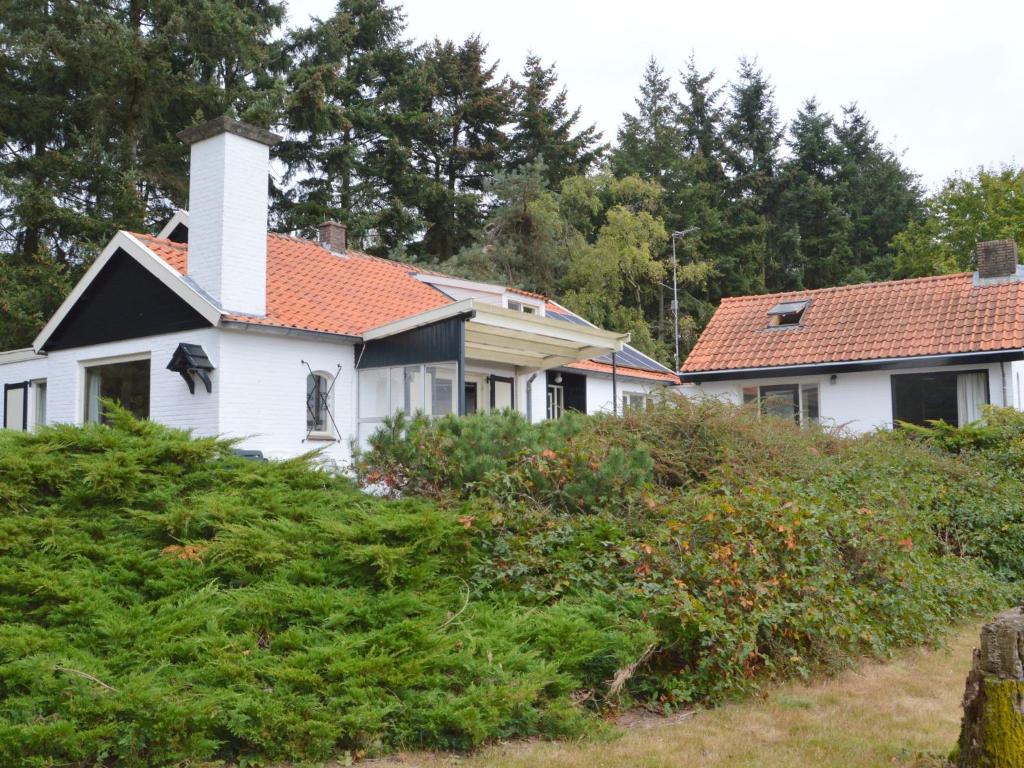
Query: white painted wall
[[263, 392], [169, 399], [861, 401], [599, 391]]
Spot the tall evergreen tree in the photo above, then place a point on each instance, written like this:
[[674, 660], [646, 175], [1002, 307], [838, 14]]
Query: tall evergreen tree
[[91, 97], [346, 121], [459, 143], [544, 129], [753, 139], [651, 142]]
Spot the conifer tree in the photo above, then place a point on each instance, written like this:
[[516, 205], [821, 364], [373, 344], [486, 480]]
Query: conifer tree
[[544, 129], [346, 118], [458, 144]]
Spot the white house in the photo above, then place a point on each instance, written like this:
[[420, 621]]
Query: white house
[[218, 326], [868, 356]]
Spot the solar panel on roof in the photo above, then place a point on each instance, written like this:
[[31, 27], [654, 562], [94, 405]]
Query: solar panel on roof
[[628, 357]]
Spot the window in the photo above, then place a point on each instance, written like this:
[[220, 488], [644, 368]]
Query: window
[[39, 411], [556, 401], [636, 400], [409, 389], [798, 402], [318, 409], [518, 306], [787, 313], [125, 383], [955, 398]]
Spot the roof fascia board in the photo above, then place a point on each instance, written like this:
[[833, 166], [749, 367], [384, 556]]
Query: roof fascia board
[[179, 217], [463, 307], [152, 263], [891, 363], [284, 330], [20, 355], [488, 315]]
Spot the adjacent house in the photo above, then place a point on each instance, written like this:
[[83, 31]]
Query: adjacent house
[[869, 356], [218, 326]]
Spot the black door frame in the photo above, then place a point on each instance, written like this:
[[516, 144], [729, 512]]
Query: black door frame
[[22, 385], [510, 380]]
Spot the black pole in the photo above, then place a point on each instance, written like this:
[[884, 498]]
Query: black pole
[[462, 369], [615, 386]]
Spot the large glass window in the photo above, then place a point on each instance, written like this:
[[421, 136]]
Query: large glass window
[[432, 389], [125, 383], [955, 398], [798, 402]]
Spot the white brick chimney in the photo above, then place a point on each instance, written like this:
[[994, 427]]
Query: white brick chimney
[[227, 211]]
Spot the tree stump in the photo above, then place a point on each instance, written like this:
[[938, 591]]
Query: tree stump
[[992, 732]]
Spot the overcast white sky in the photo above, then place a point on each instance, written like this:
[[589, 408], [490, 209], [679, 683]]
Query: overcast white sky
[[943, 81]]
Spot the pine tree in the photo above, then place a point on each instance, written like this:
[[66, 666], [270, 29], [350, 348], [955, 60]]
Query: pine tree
[[544, 129], [651, 142], [344, 116], [753, 139], [458, 144]]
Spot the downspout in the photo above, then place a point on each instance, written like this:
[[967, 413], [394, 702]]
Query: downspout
[[615, 386], [1002, 372], [462, 369], [529, 398]]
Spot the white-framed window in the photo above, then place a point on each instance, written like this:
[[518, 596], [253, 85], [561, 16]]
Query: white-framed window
[[319, 421], [124, 381], [635, 400], [799, 402], [519, 306], [432, 389], [39, 403]]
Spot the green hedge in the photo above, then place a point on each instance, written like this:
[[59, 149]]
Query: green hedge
[[163, 602]]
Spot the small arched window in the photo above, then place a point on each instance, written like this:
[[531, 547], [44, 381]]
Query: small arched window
[[318, 411]]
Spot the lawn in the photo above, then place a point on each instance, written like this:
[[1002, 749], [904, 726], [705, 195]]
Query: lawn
[[905, 712]]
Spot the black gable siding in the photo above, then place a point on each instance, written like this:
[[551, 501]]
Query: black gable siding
[[124, 302]]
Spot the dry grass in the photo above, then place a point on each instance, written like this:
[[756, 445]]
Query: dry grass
[[902, 713]]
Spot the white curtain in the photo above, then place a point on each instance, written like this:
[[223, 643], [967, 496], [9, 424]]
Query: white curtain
[[971, 394]]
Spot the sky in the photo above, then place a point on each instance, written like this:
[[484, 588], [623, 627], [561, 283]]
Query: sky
[[943, 82]]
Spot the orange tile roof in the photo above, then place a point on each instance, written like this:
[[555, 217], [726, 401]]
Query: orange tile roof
[[625, 370], [311, 288], [901, 318]]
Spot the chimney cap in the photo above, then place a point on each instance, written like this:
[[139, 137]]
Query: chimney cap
[[224, 124]]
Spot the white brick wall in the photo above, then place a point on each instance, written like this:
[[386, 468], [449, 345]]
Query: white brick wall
[[170, 401], [228, 221], [263, 392], [599, 391]]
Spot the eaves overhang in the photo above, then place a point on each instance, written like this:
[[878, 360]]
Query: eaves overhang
[[850, 366]]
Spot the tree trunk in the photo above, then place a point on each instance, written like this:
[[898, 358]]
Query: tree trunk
[[992, 733]]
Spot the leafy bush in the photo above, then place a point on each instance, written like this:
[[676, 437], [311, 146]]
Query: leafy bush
[[163, 602]]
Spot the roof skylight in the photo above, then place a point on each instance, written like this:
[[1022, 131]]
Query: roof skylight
[[787, 313]]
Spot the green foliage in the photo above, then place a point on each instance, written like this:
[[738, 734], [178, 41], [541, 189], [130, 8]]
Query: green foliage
[[989, 205], [162, 602], [759, 551]]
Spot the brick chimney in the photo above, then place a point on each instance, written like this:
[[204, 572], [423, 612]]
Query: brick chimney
[[229, 176], [334, 236], [996, 259]]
